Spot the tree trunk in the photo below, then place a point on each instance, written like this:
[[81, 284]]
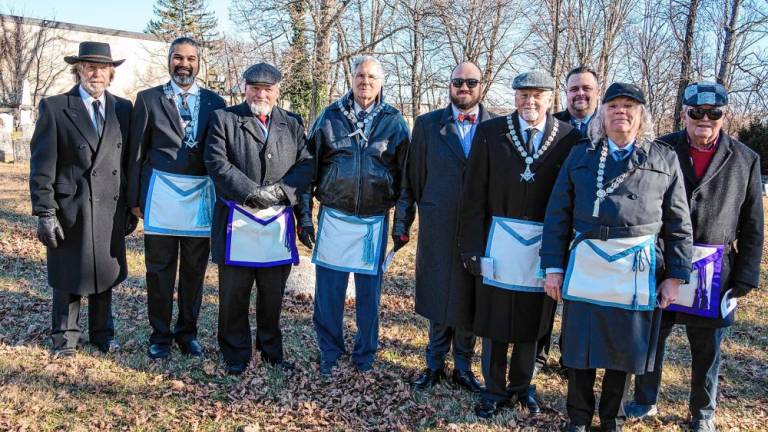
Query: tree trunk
[[685, 60], [726, 63]]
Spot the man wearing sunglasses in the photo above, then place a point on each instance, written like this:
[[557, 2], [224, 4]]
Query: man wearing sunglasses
[[723, 184], [510, 174], [437, 157]]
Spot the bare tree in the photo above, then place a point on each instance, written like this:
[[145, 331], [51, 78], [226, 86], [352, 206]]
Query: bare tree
[[685, 59], [24, 42]]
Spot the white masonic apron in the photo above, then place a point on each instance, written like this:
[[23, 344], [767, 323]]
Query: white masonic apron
[[260, 237], [348, 243], [179, 205], [514, 245], [617, 272], [701, 295]]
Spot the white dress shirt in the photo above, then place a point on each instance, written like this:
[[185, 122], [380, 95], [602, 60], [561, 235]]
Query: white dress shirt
[[88, 101], [539, 136]]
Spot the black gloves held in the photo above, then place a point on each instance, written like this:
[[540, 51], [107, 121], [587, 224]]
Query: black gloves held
[[131, 222], [307, 236], [266, 196], [472, 263], [49, 230], [740, 289], [399, 241]]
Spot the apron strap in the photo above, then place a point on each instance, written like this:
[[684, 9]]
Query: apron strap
[[605, 232]]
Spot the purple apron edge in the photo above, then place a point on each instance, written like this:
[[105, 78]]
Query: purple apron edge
[[714, 293]]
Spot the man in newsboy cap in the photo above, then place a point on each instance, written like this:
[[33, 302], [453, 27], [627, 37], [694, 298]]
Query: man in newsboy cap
[[510, 173], [77, 185], [724, 191], [256, 155]]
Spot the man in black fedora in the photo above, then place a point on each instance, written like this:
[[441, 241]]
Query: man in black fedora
[[76, 183]]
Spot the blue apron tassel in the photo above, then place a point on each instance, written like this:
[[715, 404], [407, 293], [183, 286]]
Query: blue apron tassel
[[368, 245], [287, 235], [205, 206], [638, 265], [700, 300]]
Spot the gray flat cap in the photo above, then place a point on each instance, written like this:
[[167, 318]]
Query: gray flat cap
[[262, 73], [536, 79]]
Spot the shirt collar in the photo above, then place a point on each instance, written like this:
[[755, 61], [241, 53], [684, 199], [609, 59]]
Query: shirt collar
[[359, 108], [584, 120], [194, 90], [88, 99], [456, 111], [612, 147], [524, 124]]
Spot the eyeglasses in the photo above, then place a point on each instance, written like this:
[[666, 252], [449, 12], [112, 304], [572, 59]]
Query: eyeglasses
[[471, 82], [699, 113]]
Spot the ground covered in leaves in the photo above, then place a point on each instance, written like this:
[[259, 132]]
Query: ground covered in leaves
[[127, 391]]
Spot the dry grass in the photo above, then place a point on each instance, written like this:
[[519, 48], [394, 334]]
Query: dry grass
[[127, 391]]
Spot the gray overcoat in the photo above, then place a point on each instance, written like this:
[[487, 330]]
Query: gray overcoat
[[604, 337], [433, 179]]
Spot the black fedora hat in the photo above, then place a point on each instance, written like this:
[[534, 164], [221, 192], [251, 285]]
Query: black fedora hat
[[93, 52]]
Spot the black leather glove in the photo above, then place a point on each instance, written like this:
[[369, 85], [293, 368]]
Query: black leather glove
[[472, 263], [740, 289], [307, 236], [266, 196], [399, 241], [131, 222], [49, 230]]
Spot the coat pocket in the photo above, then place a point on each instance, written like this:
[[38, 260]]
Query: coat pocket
[[62, 188]]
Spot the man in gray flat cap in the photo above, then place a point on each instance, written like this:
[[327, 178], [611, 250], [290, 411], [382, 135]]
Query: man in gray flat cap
[[724, 190], [257, 157], [510, 173]]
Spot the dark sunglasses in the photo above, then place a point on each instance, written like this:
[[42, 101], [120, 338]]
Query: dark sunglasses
[[471, 82], [699, 113]]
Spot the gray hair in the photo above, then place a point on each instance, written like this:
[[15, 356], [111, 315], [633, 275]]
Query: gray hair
[[78, 67], [597, 129], [358, 61]]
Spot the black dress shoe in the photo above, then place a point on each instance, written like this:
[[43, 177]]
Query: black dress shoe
[[283, 365], [428, 378], [575, 428], [111, 346], [236, 368], [467, 380], [159, 351], [487, 408], [191, 348], [528, 400], [64, 352]]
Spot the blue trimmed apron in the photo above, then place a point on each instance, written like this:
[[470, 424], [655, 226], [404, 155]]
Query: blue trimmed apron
[[260, 237], [701, 295], [616, 272], [348, 243], [179, 205], [514, 246]]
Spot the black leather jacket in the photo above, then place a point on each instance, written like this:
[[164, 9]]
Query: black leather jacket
[[352, 175]]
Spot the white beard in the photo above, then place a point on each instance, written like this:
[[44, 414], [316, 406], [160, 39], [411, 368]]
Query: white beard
[[530, 116], [260, 108]]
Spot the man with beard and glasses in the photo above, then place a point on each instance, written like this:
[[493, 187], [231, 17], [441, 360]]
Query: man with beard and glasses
[[256, 154], [440, 145], [77, 182], [360, 143], [582, 93], [170, 189], [510, 173]]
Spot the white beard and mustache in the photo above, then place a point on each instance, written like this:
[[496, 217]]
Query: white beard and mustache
[[530, 115], [260, 108]]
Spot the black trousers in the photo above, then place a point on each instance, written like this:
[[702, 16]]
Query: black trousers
[[162, 255], [65, 319], [235, 285], [501, 382], [441, 338], [580, 403]]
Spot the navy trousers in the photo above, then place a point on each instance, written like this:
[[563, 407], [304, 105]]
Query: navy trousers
[[441, 339], [705, 366], [330, 293]]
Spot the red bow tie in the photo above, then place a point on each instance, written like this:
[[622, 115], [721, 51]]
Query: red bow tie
[[472, 118]]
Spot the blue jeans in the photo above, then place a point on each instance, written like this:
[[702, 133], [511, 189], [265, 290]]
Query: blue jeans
[[705, 366], [330, 291], [441, 339]]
